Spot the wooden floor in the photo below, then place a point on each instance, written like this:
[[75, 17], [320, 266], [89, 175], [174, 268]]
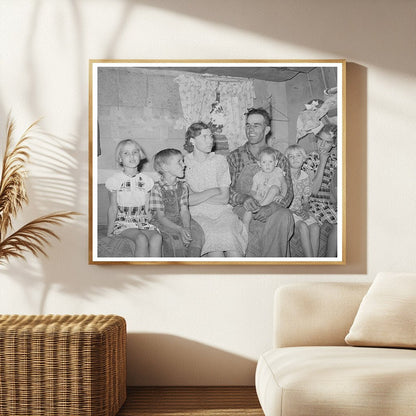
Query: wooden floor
[[191, 401]]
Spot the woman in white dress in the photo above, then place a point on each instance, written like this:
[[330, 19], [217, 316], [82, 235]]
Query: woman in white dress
[[208, 177]]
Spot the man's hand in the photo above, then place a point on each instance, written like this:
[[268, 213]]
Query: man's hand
[[264, 212], [186, 236], [250, 204]]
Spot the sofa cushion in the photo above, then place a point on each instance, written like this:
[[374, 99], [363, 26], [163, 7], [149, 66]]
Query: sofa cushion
[[115, 247], [387, 314], [304, 381], [315, 313]]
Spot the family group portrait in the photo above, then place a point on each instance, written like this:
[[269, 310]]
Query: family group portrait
[[216, 162]]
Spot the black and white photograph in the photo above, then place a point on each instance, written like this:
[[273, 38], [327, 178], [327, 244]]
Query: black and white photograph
[[208, 162]]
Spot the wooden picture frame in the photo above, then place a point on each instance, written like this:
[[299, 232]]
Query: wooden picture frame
[[153, 102]]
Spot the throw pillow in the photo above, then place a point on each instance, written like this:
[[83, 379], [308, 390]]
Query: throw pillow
[[387, 314]]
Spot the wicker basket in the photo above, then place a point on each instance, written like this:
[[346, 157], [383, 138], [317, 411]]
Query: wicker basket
[[71, 365]]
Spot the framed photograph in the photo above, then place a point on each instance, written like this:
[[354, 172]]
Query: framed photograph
[[217, 162]]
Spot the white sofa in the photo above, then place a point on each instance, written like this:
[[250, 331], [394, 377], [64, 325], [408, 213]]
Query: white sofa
[[311, 371]]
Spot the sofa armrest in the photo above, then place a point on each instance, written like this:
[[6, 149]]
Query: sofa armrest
[[308, 314]]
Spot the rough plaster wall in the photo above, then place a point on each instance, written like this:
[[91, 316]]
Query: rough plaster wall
[[141, 105], [145, 105], [204, 325]]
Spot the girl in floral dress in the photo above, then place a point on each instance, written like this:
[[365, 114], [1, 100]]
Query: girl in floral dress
[[209, 179]]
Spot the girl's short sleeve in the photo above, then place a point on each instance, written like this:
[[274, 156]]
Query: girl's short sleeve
[[113, 183], [148, 182], [223, 172]]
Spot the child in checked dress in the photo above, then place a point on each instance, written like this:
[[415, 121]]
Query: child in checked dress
[[321, 166], [129, 192], [305, 223]]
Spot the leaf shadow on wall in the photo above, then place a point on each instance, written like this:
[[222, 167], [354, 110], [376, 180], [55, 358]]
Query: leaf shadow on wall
[[59, 181], [53, 186]]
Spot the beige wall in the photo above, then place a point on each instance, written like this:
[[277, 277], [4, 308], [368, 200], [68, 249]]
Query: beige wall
[[196, 324]]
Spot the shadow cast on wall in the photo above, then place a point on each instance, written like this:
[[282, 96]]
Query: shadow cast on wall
[[162, 359], [333, 26]]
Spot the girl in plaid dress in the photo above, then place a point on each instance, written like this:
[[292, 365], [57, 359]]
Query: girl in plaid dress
[[129, 193], [305, 223], [321, 167]]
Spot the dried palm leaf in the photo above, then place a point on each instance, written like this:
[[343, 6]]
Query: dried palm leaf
[[32, 237], [12, 183]]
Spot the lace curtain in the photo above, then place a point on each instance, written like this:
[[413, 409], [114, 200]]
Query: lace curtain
[[198, 93]]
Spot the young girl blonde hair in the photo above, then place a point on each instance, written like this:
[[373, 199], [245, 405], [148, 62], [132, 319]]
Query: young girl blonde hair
[[120, 146], [295, 147]]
